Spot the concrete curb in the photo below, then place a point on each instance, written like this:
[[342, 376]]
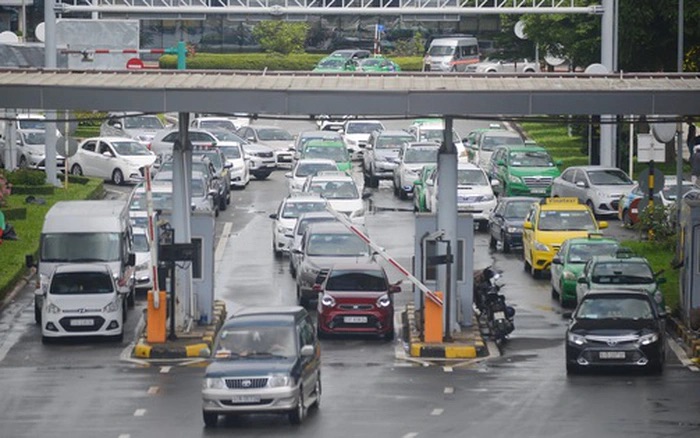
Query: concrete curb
[[469, 345], [192, 345], [11, 295], [690, 340]]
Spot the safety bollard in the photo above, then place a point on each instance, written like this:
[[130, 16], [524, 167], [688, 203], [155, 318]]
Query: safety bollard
[[432, 328], [156, 318]]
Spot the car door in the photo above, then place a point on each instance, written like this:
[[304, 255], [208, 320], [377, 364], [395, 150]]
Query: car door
[[529, 235], [87, 156], [309, 364], [562, 185], [105, 160], [580, 187], [582, 288], [557, 269]]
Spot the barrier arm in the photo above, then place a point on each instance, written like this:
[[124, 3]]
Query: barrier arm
[[383, 254]]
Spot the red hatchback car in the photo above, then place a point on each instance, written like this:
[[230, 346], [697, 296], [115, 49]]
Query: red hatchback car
[[356, 298]]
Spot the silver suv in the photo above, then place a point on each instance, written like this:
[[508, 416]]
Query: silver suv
[[599, 187], [381, 155]]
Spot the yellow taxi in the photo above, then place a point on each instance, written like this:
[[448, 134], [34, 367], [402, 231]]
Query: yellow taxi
[[548, 224]]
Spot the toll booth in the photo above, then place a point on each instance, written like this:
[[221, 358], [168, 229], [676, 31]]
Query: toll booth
[[690, 270], [463, 256], [202, 230]]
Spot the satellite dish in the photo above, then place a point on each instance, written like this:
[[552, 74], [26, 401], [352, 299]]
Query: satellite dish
[[8, 37], [554, 61], [597, 69], [39, 32], [520, 30], [663, 132]]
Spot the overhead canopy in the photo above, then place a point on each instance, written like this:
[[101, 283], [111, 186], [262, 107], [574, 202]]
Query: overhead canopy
[[398, 94]]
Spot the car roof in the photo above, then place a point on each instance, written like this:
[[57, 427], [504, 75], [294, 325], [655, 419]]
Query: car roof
[[357, 267], [331, 143], [595, 168], [518, 199], [423, 144], [526, 147], [330, 228], [109, 139], [331, 175], [641, 293], [464, 165], [82, 267], [564, 204], [612, 258], [500, 133], [394, 133], [316, 161], [304, 197], [315, 215], [593, 239], [245, 315]]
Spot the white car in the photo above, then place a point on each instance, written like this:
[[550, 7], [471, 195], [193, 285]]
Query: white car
[[279, 139], [433, 130], [474, 193], [412, 158], [140, 127], [216, 122], [236, 157], [504, 66], [162, 143], [341, 192], [120, 160], [81, 300], [31, 150], [356, 135], [305, 167], [489, 141], [286, 216], [141, 246], [599, 187]]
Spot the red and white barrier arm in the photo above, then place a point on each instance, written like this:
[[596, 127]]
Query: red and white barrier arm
[[152, 235], [379, 250], [112, 51]]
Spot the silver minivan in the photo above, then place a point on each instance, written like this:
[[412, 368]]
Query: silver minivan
[[451, 54]]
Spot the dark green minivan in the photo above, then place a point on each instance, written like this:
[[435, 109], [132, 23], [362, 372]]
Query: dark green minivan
[[523, 170]]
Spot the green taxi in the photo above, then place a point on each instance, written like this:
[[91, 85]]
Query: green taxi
[[329, 149], [425, 178], [378, 63], [523, 170], [333, 64], [568, 263]]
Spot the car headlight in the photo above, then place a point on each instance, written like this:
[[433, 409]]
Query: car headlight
[[541, 247], [327, 301], [52, 308], [142, 266], [514, 179], [384, 301], [487, 198], [658, 297], [358, 213], [214, 383], [279, 380], [568, 275], [145, 137], [111, 307], [577, 339], [648, 339], [512, 230]]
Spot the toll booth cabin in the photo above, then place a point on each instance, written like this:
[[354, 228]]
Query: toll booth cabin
[[690, 271]]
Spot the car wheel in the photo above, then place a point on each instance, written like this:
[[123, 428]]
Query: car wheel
[[292, 271], [506, 245], [483, 225], [76, 170], [131, 298], [210, 418], [120, 337], [373, 180], [572, 369], [402, 194], [22, 162], [37, 315], [390, 335], [555, 294], [317, 392], [296, 416], [222, 203], [46, 340], [526, 265], [117, 177], [396, 189], [493, 243], [261, 176]]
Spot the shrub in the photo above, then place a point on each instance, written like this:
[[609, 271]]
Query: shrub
[[282, 37], [659, 220], [32, 190], [246, 61], [26, 177]]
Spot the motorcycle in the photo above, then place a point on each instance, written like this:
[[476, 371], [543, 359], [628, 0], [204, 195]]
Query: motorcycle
[[491, 304]]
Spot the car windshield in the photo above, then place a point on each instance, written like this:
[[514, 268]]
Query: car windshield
[[606, 307], [582, 252], [81, 283], [293, 210], [304, 223], [490, 141], [334, 62], [441, 50], [339, 153], [197, 188], [256, 342], [130, 148], [530, 159], [213, 156], [336, 245], [80, 247], [517, 209], [217, 124], [471, 177], [274, 134], [305, 169], [335, 189], [228, 136], [363, 127], [37, 124], [393, 141], [436, 135], [357, 281], [622, 272], [421, 155], [143, 122], [231, 152], [36, 138], [140, 243], [552, 220], [371, 62], [609, 177], [320, 135]]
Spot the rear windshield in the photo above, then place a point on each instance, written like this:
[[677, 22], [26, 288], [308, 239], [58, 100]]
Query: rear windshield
[[593, 307], [627, 272], [293, 210], [359, 281], [336, 245], [530, 159], [582, 252], [81, 283], [421, 155]]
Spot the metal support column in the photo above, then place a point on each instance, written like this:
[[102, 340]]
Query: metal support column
[[679, 175], [50, 63], [447, 221], [608, 145], [10, 134]]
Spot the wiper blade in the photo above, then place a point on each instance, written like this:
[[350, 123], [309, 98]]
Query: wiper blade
[[87, 260]]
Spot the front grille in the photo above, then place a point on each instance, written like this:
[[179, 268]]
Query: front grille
[[355, 306], [537, 182], [98, 322], [339, 323], [262, 402], [252, 383], [615, 205], [284, 158]]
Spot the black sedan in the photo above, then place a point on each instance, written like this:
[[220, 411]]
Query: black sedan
[[615, 329], [506, 222]]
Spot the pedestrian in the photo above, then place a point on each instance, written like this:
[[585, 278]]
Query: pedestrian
[[695, 166]]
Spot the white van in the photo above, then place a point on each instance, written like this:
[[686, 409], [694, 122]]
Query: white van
[[82, 300], [86, 232], [451, 54]]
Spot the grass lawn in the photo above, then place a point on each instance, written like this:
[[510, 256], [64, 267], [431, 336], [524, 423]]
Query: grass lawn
[[12, 252], [554, 137], [660, 257]]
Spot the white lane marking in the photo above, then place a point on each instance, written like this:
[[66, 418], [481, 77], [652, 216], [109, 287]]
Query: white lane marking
[[125, 435], [153, 390], [139, 412], [447, 369], [437, 412], [221, 246], [680, 353], [165, 370], [449, 390], [410, 435]]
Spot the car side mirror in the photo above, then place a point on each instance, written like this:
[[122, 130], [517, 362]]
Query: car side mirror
[[582, 280], [117, 125], [212, 193], [288, 175], [366, 195], [106, 154], [394, 289], [558, 163], [307, 351], [528, 225], [273, 216], [317, 288], [495, 182], [296, 251], [581, 184], [131, 259], [251, 139], [418, 183], [228, 165], [39, 292], [556, 260], [603, 224], [656, 274]]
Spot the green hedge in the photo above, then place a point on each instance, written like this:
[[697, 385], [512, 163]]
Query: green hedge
[[26, 177], [261, 61], [33, 190], [17, 213]]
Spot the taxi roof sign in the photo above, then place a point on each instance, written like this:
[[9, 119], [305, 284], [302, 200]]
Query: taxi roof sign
[[565, 200], [595, 235]]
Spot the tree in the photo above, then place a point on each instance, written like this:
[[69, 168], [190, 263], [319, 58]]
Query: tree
[[281, 37]]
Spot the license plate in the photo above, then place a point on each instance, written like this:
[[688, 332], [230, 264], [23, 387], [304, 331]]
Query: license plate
[[245, 399], [81, 322], [499, 315], [355, 319], [612, 355], [539, 191]]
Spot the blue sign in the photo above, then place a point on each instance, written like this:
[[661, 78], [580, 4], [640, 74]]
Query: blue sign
[[380, 27]]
